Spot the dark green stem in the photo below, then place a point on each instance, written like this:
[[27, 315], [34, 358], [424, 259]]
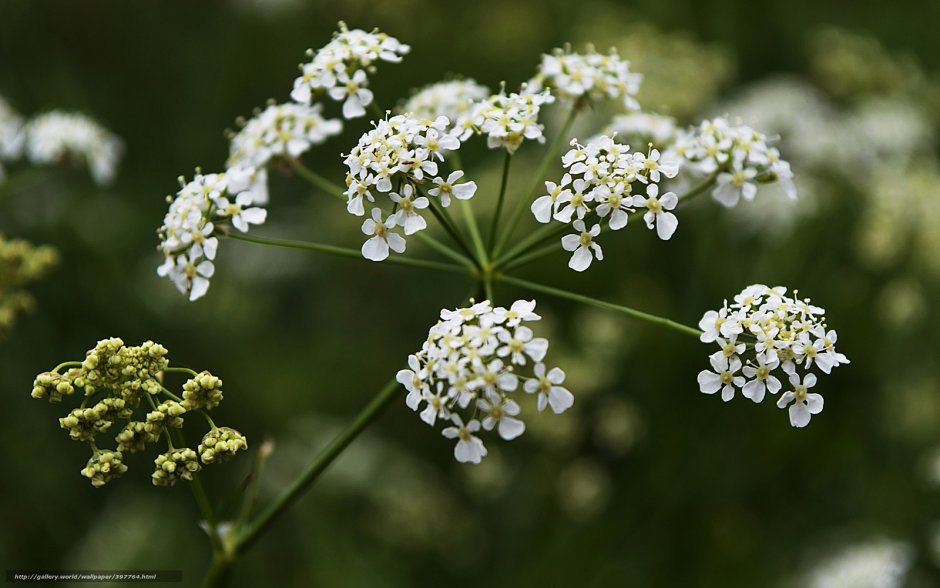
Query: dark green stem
[[631, 312]]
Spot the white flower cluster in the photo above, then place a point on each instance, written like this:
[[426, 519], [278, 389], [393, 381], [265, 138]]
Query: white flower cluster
[[601, 179], [340, 68], [572, 76], [280, 130], [58, 136], [401, 153], [776, 331], [465, 374], [506, 119], [740, 156], [645, 127], [11, 135], [454, 99], [188, 238]]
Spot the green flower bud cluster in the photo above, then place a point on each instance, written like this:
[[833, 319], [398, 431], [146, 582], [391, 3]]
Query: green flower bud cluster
[[113, 380], [84, 423], [20, 264], [203, 391], [55, 386], [104, 466], [174, 465], [221, 444]]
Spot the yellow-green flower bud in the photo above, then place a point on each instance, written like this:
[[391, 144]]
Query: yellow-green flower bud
[[221, 444], [174, 465], [202, 391], [104, 466], [134, 437]]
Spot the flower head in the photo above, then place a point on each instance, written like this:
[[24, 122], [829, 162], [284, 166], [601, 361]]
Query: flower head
[[762, 331], [340, 68], [572, 76], [468, 372], [56, 137], [188, 239]]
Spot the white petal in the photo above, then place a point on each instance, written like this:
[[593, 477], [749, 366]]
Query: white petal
[[375, 249]]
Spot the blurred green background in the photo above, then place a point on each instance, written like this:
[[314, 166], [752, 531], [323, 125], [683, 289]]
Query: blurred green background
[[646, 481]]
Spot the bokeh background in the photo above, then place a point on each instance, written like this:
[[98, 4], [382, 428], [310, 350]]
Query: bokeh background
[[646, 482]]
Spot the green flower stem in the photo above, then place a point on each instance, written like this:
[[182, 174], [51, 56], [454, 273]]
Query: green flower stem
[[202, 499], [531, 256], [253, 482], [170, 394], [651, 318], [316, 179], [181, 370], [499, 203], [444, 249], [474, 230], [327, 456], [537, 179], [65, 364], [543, 233], [346, 252], [451, 230]]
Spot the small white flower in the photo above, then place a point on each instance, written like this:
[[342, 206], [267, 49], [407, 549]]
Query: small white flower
[[500, 412], [658, 211], [383, 238], [761, 381], [545, 206], [520, 343], [549, 388], [469, 448], [407, 216], [583, 246], [805, 404], [722, 378], [444, 189]]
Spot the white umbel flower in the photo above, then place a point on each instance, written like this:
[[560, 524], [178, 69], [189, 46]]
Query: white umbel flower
[[741, 157], [340, 68], [280, 131], [469, 370], [509, 119], [454, 99], [403, 153], [572, 76], [56, 137], [765, 330], [603, 178], [188, 235]]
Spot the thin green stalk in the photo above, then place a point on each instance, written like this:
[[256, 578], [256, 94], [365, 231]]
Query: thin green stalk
[[65, 364], [202, 499], [537, 179], [327, 456], [444, 249], [474, 230], [632, 312], [531, 240], [346, 252], [180, 370], [316, 179], [499, 203], [531, 256], [451, 230]]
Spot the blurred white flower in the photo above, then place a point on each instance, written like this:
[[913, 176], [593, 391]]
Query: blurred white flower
[[56, 137], [572, 76]]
